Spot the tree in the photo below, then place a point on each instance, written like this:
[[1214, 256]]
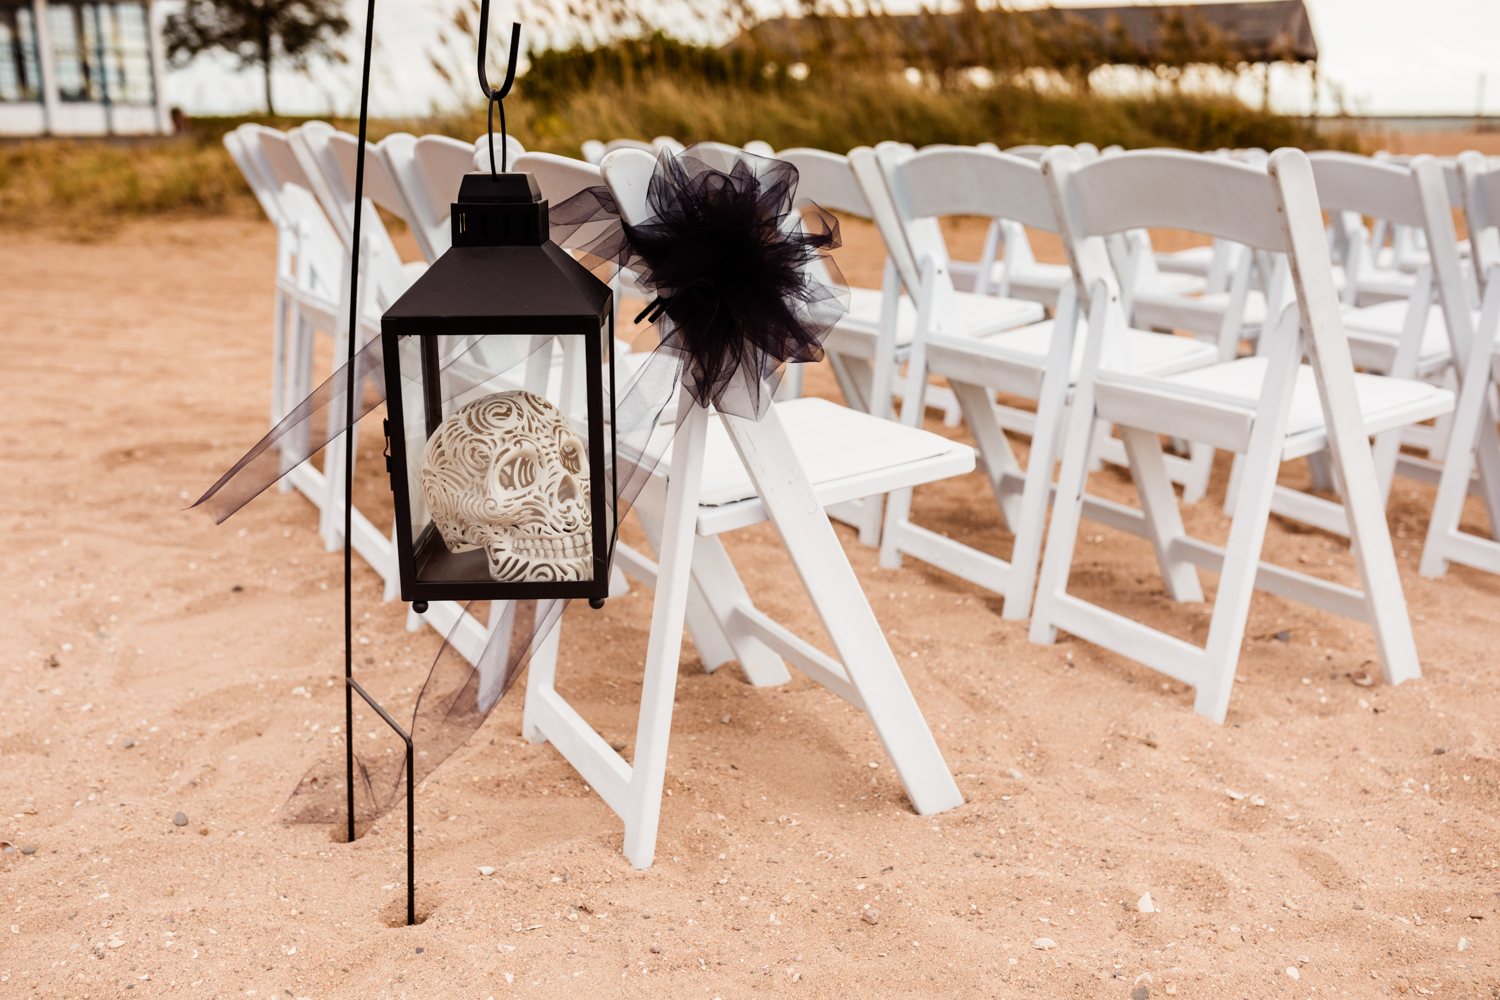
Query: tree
[[258, 32]]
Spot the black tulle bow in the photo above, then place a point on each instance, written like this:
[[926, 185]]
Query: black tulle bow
[[744, 282]]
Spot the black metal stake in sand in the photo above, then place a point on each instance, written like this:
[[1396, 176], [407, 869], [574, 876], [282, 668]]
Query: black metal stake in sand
[[351, 686]]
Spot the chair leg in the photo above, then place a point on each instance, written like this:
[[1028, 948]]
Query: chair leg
[[714, 648], [1030, 523], [1163, 518], [1255, 489], [1067, 509], [541, 676], [856, 395], [1386, 450], [897, 510], [1470, 419], [871, 517], [1318, 465], [835, 592], [999, 458], [642, 813], [278, 359], [1201, 467], [718, 585]]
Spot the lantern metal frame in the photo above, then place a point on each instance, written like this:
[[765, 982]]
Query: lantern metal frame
[[428, 549]]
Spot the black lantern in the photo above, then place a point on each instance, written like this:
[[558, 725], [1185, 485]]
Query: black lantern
[[503, 478]]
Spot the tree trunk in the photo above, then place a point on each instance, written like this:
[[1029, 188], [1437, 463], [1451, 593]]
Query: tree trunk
[[265, 63]]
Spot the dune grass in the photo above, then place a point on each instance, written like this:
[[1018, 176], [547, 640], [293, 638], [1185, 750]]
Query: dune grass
[[80, 184]]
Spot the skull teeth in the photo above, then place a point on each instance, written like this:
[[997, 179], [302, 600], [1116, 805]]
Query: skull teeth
[[550, 547]]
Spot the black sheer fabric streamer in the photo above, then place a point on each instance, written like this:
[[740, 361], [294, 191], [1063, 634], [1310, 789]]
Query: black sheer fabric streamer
[[734, 265], [744, 284]]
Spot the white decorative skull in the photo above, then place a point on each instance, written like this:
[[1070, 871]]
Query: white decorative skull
[[507, 474]]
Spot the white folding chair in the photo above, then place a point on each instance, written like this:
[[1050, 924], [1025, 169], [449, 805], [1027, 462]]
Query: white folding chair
[[827, 180], [593, 151], [1406, 337], [1037, 362], [428, 172], [1007, 265], [244, 148], [804, 455], [880, 327], [314, 290], [513, 150], [1473, 440], [329, 159], [1269, 408]]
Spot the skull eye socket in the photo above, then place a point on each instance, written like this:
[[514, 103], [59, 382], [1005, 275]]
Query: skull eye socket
[[517, 473], [570, 455]]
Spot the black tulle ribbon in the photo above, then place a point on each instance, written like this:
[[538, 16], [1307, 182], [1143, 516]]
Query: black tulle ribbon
[[743, 284], [743, 276]]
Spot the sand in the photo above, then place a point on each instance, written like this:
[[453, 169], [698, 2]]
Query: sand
[[1330, 838]]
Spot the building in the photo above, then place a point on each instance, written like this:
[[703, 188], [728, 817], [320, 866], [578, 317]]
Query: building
[[1143, 34], [81, 68]]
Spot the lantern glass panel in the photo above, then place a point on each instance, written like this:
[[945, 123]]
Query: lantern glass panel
[[504, 462]]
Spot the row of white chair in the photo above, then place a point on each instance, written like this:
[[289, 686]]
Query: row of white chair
[[305, 182], [907, 192]]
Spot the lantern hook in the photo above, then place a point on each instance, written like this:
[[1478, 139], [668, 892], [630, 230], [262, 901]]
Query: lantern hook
[[494, 97]]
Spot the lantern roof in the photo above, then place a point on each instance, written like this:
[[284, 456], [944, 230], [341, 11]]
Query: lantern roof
[[500, 290]]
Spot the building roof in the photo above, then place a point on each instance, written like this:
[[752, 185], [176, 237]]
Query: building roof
[[1143, 34]]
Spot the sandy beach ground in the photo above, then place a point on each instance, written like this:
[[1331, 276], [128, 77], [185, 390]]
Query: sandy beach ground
[[1329, 839]]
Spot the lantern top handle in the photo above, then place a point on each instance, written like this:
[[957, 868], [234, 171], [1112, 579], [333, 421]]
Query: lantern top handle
[[493, 97]]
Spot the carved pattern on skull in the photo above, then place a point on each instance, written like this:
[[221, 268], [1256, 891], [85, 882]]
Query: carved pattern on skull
[[507, 474]]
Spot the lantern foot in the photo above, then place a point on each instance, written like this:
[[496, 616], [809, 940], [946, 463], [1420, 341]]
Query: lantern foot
[[420, 607], [596, 603]]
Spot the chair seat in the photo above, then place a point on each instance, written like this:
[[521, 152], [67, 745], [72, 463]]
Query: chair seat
[[1384, 402], [1150, 353], [1176, 283], [1381, 284], [847, 454], [1193, 260], [1375, 330], [977, 316], [414, 269], [1033, 275], [1197, 314]]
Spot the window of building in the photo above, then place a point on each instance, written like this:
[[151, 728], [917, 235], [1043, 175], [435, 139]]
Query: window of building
[[20, 77], [101, 51]]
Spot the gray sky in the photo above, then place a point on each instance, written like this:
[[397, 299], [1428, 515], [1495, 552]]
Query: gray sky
[[1390, 57]]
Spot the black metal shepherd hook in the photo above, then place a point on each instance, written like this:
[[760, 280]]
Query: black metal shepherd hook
[[494, 97]]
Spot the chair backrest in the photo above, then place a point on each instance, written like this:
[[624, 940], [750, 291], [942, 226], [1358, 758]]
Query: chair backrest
[[921, 187], [243, 149], [759, 147], [828, 180], [1415, 195], [1274, 209], [513, 149], [309, 144], [1030, 151], [662, 142], [559, 177], [628, 174], [276, 156], [1167, 189], [1480, 187], [614, 145], [593, 151], [427, 172]]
